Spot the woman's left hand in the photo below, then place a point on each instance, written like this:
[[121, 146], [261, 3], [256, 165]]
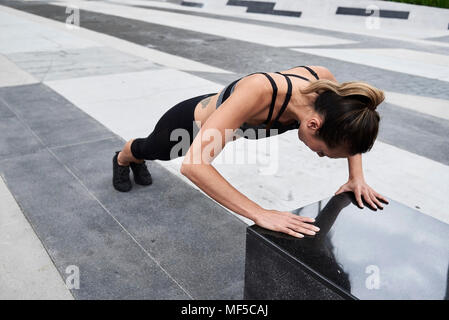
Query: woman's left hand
[[361, 188]]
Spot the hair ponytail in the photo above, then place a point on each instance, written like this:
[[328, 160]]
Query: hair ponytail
[[349, 111], [372, 96]]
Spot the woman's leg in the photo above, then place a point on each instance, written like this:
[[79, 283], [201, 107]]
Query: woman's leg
[[158, 145], [125, 156]]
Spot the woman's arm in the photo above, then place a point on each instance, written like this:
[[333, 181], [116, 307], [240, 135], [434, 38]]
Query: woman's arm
[[208, 179], [356, 183], [355, 166], [252, 94]]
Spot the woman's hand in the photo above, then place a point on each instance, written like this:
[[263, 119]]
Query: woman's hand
[[361, 188], [286, 222]]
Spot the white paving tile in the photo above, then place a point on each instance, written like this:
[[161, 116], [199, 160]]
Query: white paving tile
[[131, 103], [350, 24], [229, 29], [27, 36], [26, 270], [412, 55], [431, 106], [156, 56], [12, 75], [72, 63], [418, 63]]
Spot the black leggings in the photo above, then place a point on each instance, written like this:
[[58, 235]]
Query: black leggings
[[158, 146]]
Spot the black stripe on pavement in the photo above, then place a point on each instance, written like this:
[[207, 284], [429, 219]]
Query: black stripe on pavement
[[263, 7], [192, 4], [371, 12]]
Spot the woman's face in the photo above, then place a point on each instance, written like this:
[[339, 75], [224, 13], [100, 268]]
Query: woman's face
[[307, 133]]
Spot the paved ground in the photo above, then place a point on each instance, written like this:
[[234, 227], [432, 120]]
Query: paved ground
[[69, 99], [25, 267]]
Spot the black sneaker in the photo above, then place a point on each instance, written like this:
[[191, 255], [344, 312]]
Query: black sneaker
[[120, 175], [141, 174]]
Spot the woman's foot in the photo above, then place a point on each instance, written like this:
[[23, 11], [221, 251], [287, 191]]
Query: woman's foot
[[141, 174], [120, 175]]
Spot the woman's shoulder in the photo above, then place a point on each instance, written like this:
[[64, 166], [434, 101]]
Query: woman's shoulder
[[263, 83], [258, 85], [258, 81], [323, 72]]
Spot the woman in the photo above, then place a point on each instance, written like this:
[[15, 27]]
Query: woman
[[334, 120]]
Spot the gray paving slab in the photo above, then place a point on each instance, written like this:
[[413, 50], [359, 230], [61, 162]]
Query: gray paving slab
[[424, 135], [53, 119], [5, 112], [72, 63], [442, 39], [76, 230], [16, 139], [24, 94], [26, 270], [195, 240]]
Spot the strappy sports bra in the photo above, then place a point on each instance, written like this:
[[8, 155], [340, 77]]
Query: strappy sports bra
[[266, 125]]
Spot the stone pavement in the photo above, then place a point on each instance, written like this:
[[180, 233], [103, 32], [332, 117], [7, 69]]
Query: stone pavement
[[70, 98]]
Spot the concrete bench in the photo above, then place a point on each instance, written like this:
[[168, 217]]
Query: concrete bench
[[394, 253]]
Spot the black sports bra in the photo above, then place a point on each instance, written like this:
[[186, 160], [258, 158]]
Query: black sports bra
[[227, 91]]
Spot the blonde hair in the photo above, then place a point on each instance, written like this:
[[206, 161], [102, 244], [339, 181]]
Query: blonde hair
[[374, 95], [349, 111]]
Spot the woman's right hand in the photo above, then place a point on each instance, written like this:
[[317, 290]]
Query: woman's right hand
[[286, 222]]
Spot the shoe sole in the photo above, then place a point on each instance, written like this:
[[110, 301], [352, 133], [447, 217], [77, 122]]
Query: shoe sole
[[143, 184]]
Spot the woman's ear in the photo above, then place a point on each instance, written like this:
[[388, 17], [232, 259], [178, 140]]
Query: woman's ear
[[314, 123]]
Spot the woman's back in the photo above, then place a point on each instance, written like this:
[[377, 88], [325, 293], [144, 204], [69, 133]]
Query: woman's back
[[272, 115]]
